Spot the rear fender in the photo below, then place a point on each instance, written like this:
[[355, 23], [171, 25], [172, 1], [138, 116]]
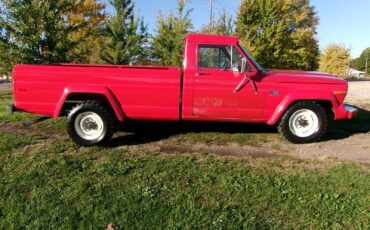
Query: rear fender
[[291, 99], [113, 101]]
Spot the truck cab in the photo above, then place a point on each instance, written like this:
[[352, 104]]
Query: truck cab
[[220, 81]]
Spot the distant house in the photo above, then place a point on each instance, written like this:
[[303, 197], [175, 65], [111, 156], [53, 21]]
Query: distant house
[[356, 73]]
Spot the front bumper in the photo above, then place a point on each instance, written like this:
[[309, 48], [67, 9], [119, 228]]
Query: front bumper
[[351, 111], [345, 112]]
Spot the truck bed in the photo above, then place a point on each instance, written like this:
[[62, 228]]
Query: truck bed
[[143, 92]]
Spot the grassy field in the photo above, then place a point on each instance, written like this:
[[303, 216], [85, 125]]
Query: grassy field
[[47, 182]]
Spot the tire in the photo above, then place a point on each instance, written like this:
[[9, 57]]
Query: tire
[[89, 123], [303, 122]]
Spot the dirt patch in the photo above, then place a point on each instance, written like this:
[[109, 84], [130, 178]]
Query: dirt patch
[[41, 132], [231, 149], [355, 148]]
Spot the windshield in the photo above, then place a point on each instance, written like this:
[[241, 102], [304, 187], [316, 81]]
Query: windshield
[[259, 68]]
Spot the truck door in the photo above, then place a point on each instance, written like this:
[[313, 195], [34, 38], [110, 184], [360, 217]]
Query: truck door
[[217, 76]]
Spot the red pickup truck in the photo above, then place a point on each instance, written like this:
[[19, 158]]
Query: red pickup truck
[[219, 81]]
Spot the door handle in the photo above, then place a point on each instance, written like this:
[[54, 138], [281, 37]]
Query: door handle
[[201, 73]]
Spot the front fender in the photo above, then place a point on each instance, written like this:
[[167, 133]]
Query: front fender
[[289, 99], [113, 101]]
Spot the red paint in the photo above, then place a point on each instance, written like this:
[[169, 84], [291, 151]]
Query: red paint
[[153, 93]]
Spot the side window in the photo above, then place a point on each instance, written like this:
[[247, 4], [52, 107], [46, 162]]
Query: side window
[[215, 57], [219, 57]]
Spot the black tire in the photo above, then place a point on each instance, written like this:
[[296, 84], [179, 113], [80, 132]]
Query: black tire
[[291, 122], [101, 122]]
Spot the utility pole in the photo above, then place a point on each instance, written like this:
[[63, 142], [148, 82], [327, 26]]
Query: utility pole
[[367, 58], [210, 12]]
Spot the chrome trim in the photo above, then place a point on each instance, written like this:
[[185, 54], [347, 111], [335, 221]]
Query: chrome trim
[[350, 108]]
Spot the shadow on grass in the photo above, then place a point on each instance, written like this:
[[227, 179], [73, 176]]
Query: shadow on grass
[[342, 129], [146, 132]]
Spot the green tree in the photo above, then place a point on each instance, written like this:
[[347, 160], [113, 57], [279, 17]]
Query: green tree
[[37, 31], [279, 33], [360, 62], [126, 35], [48, 31], [7, 60], [335, 59], [89, 17], [168, 44], [223, 26]]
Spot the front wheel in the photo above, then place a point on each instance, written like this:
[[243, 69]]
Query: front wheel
[[89, 124], [304, 122]]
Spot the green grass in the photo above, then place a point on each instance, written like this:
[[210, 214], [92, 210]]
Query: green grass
[[48, 182], [5, 94], [9, 142], [63, 186]]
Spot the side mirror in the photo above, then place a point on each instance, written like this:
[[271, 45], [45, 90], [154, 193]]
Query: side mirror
[[244, 65]]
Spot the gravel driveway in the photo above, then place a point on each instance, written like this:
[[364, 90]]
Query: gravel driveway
[[358, 93]]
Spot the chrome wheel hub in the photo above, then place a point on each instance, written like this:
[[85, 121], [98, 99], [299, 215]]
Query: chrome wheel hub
[[304, 123], [89, 126]]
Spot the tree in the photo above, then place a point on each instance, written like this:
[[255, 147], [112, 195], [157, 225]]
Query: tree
[[279, 34], [335, 59], [168, 44], [223, 26], [7, 60], [48, 31], [126, 35], [89, 17], [37, 31], [360, 62]]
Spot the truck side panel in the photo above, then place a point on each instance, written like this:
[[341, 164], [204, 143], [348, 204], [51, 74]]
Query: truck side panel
[[281, 96], [143, 93]]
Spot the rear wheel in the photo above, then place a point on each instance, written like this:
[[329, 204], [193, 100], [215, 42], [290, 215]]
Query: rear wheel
[[304, 122], [89, 123]]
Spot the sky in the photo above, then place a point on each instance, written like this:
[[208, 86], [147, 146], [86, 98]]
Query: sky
[[345, 22]]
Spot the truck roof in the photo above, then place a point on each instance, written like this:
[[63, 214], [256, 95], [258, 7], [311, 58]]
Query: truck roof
[[211, 38]]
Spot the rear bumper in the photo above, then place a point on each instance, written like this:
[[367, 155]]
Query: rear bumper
[[10, 109]]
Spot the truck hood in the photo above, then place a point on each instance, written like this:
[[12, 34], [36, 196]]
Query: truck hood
[[286, 76]]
